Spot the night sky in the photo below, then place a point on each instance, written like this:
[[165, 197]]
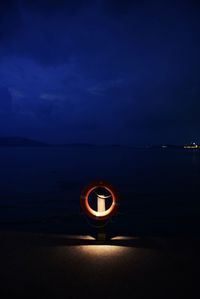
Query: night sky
[[100, 71]]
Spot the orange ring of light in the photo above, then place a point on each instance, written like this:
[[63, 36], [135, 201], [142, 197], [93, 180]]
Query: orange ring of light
[[92, 213]]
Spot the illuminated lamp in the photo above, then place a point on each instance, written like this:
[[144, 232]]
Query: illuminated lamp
[[102, 212]]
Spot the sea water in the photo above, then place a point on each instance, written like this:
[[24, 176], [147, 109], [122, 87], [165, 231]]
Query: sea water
[[157, 187]]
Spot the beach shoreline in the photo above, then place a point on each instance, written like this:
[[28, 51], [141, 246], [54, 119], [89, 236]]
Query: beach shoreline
[[37, 265]]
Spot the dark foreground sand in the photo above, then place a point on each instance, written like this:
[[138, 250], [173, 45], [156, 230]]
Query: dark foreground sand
[[62, 266]]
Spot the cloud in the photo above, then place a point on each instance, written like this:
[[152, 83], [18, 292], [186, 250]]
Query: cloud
[[17, 93], [52, 7], [10, 19], [53, 97], [102, 88], [31, 78], [109, 66], [120, 7], [5, 100]]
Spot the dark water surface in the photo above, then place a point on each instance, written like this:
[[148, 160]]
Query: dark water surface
[[159, 189]]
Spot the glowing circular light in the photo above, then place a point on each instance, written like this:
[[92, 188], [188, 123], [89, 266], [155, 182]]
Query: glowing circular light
[[100, 213]]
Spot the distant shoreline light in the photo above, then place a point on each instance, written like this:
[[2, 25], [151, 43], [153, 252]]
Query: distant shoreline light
[[192, 146]]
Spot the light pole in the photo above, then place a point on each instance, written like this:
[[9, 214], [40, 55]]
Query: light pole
[[103, 211]]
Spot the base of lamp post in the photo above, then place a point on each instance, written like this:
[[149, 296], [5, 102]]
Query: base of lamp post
[[101, 235]]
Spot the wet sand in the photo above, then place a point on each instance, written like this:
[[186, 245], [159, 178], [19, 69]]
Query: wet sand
[[36, 265]]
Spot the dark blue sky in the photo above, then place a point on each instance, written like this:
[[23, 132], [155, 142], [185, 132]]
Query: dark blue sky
[[100, 71]]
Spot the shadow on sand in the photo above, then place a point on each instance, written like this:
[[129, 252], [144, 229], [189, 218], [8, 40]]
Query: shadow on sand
[[125, 241]]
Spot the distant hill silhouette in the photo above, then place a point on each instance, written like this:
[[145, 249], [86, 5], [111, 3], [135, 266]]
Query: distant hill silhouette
[[25, 142], [19, 141], [78, 144]]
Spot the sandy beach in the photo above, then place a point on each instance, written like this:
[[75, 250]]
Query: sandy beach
[[37, 265]]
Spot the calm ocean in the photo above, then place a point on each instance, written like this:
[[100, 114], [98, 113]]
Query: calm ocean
[[159, 188]]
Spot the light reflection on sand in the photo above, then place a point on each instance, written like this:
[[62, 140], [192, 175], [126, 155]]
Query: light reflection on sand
[[79, 237], [119, 238], [103, 250]]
